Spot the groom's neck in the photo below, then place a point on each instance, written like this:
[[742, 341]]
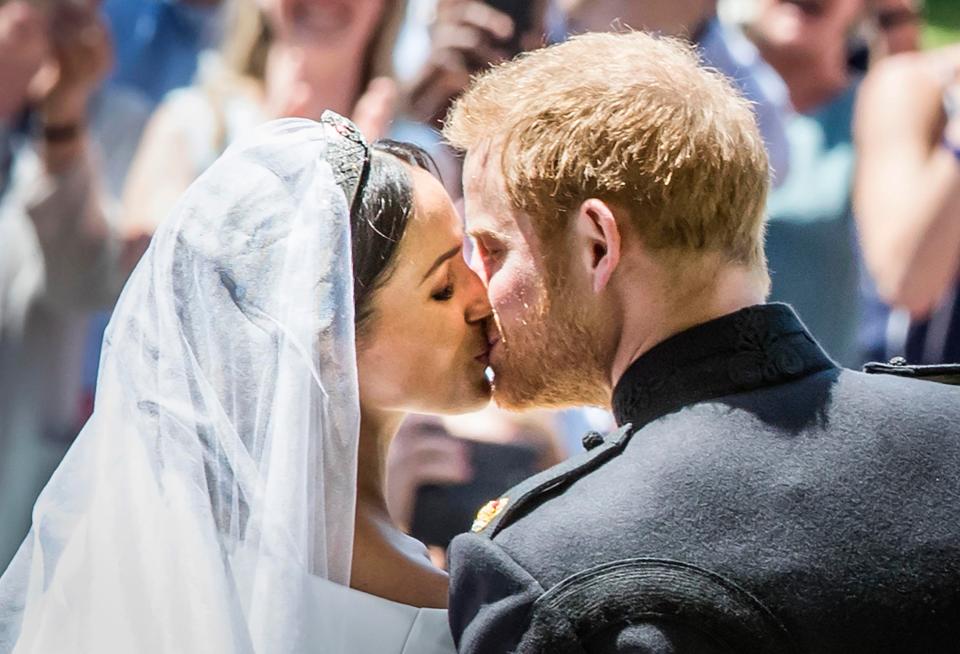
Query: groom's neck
[[655, 317]]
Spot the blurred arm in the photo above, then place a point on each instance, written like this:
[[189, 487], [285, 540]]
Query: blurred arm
[[63, 200], [78, 248], [907, 193], [160, 173]]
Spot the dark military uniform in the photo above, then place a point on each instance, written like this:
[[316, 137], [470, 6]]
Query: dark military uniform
[[760, 500]]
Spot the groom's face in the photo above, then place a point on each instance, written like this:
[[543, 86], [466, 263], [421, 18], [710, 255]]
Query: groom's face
[[542, 336]]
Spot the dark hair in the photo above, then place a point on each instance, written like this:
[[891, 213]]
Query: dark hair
[[379, 217]]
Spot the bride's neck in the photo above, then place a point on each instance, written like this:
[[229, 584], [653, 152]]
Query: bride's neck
[[386, 562], [377, 429]]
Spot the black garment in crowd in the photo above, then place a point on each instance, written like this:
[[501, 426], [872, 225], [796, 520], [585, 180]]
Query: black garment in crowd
[[763, 501], [936, 339]]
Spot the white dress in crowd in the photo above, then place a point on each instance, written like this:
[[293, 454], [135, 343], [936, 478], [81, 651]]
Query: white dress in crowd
[[208, 504]]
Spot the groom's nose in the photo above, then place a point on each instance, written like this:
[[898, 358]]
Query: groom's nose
[[471, 254], [478, 304]]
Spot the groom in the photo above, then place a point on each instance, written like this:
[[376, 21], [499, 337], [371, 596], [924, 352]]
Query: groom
[[757, 498]]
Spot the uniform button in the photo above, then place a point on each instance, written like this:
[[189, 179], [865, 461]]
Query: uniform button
[[592, 439], [898, 361]]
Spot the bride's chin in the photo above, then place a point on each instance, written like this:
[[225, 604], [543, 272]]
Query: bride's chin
[[483, 392], [478, 395], [474, 392]]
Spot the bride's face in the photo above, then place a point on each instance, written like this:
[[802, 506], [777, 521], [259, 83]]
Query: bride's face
[[426, 347]]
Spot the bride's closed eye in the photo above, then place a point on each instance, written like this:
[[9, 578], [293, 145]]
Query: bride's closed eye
[[444, 294]]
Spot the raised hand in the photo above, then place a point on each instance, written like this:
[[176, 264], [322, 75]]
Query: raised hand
[[24, 46], [82, 58], [375, 108], [468, 35]]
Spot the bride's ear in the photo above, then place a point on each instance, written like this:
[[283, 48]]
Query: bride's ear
[[597, 242]]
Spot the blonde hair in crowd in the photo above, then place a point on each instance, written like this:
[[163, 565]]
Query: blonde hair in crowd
[[633, 120]]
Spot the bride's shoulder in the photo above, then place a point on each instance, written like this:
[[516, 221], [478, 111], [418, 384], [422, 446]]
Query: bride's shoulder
[[389, 564], [400, 628]]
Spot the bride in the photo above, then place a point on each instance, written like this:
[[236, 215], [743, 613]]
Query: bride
[[227, 495]]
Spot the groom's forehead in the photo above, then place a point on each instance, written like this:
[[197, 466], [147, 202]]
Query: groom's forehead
[[483, 166], [486, 201], [477, 168]]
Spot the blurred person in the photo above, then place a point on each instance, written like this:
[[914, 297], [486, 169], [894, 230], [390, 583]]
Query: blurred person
[[757, 497], [811, 241], [279, 58], [888, 27], [24, 47], [908, 202], [441, 470], [227, 495], [806, 43], [722, 46], [157, 43], [891, 27], [895, 27], [66, 146], [681, 18]]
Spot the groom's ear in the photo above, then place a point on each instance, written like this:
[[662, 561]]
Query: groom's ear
[[597, 242]]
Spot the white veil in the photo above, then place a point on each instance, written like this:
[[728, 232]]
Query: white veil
[[218, 471]]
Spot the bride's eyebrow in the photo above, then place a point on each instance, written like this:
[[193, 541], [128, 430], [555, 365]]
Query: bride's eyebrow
[[449, 254]]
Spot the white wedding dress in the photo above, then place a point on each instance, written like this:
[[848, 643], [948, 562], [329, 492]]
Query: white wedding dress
[[376, 625], [208, 504]]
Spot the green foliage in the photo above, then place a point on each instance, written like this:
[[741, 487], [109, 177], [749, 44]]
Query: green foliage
[[943, 22]]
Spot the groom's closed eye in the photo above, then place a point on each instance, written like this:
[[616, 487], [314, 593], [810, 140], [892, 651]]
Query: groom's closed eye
[[489, 252]]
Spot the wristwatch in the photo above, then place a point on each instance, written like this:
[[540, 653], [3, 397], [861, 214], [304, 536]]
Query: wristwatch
[[61, 133]]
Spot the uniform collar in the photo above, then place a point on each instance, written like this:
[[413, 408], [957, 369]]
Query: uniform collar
[[755, 347]]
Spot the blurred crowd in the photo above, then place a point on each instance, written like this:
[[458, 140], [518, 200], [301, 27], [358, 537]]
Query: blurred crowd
[[110, 109]]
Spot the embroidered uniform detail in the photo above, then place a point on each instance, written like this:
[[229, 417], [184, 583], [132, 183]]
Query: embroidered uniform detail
[[489, 511]]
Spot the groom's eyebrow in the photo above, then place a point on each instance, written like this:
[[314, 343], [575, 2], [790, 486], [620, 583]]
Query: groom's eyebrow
[[449, 254], [483, 232]]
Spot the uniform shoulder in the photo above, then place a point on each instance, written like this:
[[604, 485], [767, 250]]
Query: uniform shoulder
[[525, 496], [946, 373]]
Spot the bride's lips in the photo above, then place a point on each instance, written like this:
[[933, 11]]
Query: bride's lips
[[484, 357]]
